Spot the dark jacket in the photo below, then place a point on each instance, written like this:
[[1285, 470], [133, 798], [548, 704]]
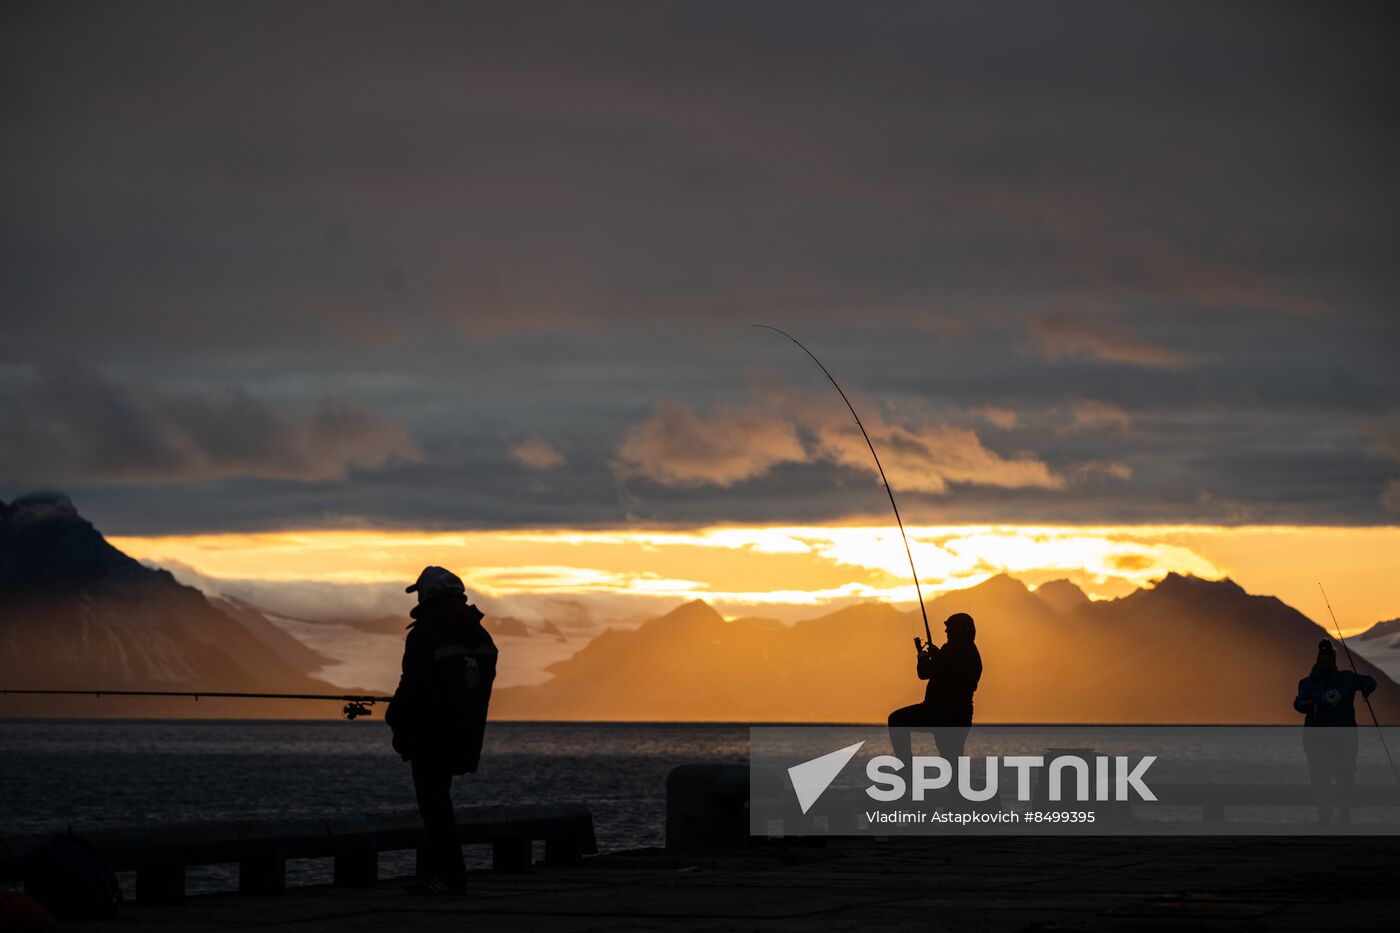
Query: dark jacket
[[438, 713], [952, 673], [1327, 700]]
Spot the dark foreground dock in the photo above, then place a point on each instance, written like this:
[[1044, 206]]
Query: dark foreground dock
[[967, 884]]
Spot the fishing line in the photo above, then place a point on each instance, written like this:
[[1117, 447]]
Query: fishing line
[[1364, 698], [883, 480]]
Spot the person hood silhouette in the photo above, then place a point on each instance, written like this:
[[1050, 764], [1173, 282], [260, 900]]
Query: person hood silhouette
[[960, 628], [1326, 663], [953, 672]]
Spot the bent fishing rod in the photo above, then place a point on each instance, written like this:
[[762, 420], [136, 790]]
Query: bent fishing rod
[[883, 480], [356, 705], [1364, 698]]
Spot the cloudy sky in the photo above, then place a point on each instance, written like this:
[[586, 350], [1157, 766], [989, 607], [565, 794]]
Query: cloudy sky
[[459, 266]]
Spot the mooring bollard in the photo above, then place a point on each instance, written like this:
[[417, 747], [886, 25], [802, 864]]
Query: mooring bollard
[[706, 804]]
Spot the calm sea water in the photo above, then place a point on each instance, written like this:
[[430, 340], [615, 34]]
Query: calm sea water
[[88, 774], [57, 773], [101, 773]]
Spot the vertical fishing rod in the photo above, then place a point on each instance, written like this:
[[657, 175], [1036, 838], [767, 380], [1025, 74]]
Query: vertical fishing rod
[[885, 482], [1364, 698]]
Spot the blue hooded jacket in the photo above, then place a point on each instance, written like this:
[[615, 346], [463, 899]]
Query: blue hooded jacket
[[1327, 700]]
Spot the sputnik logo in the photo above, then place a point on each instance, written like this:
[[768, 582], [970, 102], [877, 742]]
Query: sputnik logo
[[811, 778]]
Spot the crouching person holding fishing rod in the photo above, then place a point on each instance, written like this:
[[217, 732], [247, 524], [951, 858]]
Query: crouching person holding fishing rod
[[438, 715], [1326, 697], [952, 672]]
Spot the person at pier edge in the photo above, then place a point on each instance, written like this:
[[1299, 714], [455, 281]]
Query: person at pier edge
[[1326, 697], [438, 715], [952, 672]]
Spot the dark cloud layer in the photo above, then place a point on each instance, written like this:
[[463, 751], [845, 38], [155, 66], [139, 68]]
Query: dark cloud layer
[[1156, 239], [73, 425]]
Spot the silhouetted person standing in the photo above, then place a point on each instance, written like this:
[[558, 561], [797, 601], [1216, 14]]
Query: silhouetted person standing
[[438, 714], [952, 673], [1326, 697]]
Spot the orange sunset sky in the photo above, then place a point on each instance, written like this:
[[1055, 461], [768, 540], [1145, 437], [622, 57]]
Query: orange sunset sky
[[792, 572]]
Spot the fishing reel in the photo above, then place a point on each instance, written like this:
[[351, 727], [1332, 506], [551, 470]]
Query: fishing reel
[[355, 709], [924, 653]]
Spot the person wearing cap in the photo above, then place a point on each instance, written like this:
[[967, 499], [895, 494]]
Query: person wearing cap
[[438, 714], [1325, 698], [953, 673]]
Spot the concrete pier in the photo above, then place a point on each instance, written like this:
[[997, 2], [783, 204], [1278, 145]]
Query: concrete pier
[[160, 855], [967, 884]]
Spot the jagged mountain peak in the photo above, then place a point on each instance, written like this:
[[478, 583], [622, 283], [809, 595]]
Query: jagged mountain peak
[[1381, 630], [40, 506], [874, 611], [1002, 582], [1185, 590], [1189, 583], [695, 611], [1061, 595], [46, 543]]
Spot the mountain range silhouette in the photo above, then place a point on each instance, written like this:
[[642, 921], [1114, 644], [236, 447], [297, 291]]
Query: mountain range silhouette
[[77, 613], [1187, 650]]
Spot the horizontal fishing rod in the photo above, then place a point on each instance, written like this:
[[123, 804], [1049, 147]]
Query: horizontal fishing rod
[[1364, 698], [356, 705], [888, 491]]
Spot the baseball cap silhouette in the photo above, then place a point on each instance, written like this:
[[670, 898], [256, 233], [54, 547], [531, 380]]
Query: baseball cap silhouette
[[436, 581]]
